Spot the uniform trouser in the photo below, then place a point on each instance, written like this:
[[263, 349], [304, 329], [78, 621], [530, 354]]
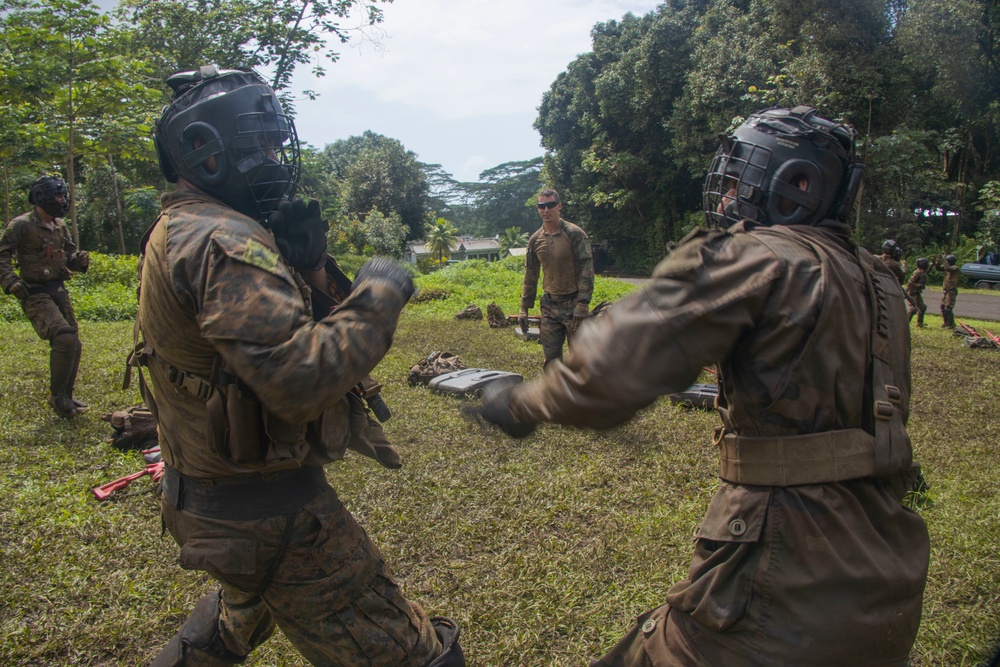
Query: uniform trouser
[[330, 592], [917, 306], [948, 299], [557, 325], [50, 312]]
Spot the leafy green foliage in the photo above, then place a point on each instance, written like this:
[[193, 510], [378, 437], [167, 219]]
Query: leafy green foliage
[[442, 238]]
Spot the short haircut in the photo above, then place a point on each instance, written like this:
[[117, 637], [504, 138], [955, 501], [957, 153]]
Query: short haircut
[[549, 192]]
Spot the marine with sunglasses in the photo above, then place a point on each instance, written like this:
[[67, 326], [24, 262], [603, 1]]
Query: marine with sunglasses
[[561, 251]]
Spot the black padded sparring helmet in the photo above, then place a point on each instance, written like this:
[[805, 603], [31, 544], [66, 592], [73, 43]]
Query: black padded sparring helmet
[[922, 263], [783, 154], [234, 117], [891, 249], [951, 259], [44, 194]]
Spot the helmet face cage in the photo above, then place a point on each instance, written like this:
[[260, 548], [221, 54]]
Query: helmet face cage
[[784, 167], [227, 134], [44, 193]]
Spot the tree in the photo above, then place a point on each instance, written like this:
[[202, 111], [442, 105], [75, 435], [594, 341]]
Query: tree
[[512, 237], [68, 80], [376, 172], [505, 197], [272, 36], [384, 233], [441, 238]]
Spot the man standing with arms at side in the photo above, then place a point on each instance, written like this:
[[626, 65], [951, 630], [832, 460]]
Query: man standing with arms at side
[[251, 394], [561, 251], [47, 257], [805, 556], [949, 291]]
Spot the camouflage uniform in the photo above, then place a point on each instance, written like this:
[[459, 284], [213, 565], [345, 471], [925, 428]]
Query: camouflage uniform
[[216, 294], [895, 267], [915, 289], [568, 280], [949, 294], [805, 555], [47, 258]]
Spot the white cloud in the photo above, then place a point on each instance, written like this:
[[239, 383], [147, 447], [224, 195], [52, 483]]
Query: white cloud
[[447, 68]]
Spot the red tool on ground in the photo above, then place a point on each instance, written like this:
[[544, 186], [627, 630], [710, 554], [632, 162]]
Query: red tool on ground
[[105, 491]]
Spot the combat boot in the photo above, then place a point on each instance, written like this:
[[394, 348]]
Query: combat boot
[[920, 320], [63, 405], [451, 653], [199, 644], [71, 381]]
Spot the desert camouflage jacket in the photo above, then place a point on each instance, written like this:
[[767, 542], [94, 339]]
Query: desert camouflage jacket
[[568, 268], [43, 254]]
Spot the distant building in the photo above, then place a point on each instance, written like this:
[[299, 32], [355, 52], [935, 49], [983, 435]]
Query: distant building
[[468, 248]]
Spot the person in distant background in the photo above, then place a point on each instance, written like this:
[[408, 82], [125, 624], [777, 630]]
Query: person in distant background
[[915, 290], [891, 253], [949, 291], [47, 257]]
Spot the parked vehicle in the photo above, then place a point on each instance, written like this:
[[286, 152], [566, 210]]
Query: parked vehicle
[[983, 276]]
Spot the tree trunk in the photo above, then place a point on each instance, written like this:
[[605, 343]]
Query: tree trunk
[[6, 194], [70, 176], [118, 205]]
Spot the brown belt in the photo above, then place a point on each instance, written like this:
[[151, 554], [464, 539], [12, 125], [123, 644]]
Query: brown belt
[[813, 458]]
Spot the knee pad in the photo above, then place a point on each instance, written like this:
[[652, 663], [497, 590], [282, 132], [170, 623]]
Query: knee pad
[[66, 341], [198, 643]]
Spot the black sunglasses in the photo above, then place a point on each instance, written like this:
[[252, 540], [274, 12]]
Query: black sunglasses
[[547, 204]]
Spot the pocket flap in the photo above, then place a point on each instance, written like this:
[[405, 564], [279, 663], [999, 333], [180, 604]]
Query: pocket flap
[[736, 514]]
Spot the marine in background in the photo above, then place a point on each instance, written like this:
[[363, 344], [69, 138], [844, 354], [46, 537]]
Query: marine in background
[[46, 255], [891, 254], [949, 291], [915, 290]]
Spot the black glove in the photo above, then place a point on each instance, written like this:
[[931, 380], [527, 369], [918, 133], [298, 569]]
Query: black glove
[[300, 233], [522, 321], [81, 261], [18, 290], [382, 268], [495, 409]]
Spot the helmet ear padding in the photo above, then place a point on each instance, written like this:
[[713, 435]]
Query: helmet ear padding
[[199, 142], [784, 186], [852, 191]]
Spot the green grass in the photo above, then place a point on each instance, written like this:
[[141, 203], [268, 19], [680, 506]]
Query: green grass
[[543, 549]]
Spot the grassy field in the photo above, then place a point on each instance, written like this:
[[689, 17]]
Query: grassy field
[[543, 549]]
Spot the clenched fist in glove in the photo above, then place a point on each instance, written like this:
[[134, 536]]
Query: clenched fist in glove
[[495, 409], [522, 320], [300, 233], [382, 268]]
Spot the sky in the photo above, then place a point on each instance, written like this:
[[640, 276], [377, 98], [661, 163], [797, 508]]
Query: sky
[[458, 82]]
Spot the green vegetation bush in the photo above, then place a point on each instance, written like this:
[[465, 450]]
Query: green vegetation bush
[[481, 282]]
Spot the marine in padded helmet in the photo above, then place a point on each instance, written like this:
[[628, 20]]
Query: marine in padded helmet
[[255, 391], [891, 254], [805, 555], [47, 257]]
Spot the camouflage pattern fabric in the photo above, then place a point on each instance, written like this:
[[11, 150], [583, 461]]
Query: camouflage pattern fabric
[[43, 256], [496, 317], [825, 573], [214, 287], [470, 312], [565, 258], [434, 364], [331, 593], [557, 325]]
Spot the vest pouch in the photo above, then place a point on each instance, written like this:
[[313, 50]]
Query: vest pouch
[[328, 436], [244, 426], [287, 441]]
